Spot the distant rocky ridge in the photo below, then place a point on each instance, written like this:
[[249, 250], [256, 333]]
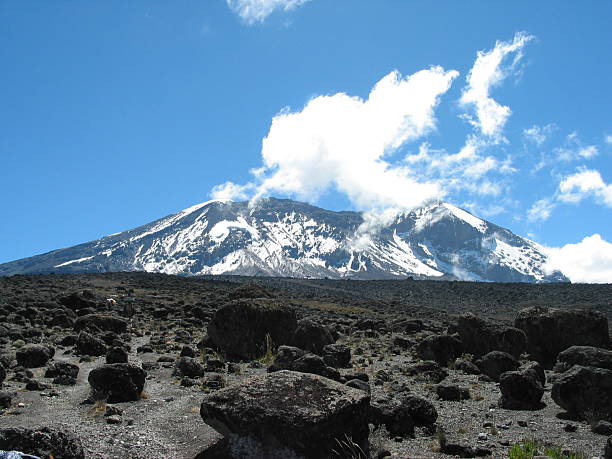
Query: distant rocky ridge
[[285, 238]]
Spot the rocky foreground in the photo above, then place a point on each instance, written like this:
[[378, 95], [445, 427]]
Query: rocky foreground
[[145, 366]]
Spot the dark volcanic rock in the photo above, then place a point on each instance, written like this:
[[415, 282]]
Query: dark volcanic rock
[[521, 390], [423, 412], [102, 322], [6, 399], [312, 363], [337, 355], [240, 328], [467, 366], [285, 356], [2, 374], [42, 442], [249, 291], [190, 367], [87, 344], [550, 331], [312, 336], [64, 373], [116, 355], [77, 301], [608, 449], [495, 363], [295, 359], [117, 382], [440, 348], [303, 412], [34, 355], [585, 391], [586, 356], [427, 370], [452, 392], [537, 368], [480, 336], [393, 414]]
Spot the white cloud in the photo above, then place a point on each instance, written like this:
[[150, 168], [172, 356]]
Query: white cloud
[[587, 261], [608, 139], [253, 11], [541, 210], [575, 150], [489, 71], [348, 144], [574, 188], [341, 142], [230, 190], [539, 134]]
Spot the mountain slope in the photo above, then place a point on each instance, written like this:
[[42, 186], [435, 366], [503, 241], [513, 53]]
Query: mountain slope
[[288, 238]]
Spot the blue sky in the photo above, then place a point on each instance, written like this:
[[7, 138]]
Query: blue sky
[[117, 113]]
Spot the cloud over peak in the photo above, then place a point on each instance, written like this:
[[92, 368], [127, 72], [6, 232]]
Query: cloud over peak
[[342, 142]]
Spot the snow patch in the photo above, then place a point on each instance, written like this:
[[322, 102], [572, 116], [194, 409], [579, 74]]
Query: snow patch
[[78, 260]]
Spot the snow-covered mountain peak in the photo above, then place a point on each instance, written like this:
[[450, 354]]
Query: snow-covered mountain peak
[[281, 237]]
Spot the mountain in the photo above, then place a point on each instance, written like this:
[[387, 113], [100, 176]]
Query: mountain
[[279, 237]]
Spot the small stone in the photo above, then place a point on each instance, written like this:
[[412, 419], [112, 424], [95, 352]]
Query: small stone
[[114, 420], [482, 436], [112, 410], [570, 428], [522, 423]]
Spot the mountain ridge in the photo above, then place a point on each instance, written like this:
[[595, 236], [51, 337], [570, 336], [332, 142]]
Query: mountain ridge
[[286, 238]]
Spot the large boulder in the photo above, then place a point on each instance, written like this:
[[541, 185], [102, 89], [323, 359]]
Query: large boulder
[[295, 359], [393, 414], [42, 442], [303, 412], [101, 322], [312, 336], [586, 356], [550, 331], [241, 328], [585, 391], [440, 348], [117, 382], [34, 355], [480, 336], [337, 355], [520, 390], [87, 344], [495, 363]]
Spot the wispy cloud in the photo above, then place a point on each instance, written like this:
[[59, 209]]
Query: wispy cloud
[[587, 261], [539, 134], [541, 210], [489, 70], [572, 189], [254, 11], [574, 149]]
